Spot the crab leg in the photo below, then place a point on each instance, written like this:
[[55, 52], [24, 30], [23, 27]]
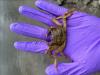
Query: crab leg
[[55, 62], [51, 48], [59, 50], [56, 22], [66, 14]]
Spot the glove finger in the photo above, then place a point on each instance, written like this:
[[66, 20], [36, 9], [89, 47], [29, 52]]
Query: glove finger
[[75, 19], [35, 46], [66, 69], [49, 7], [29, 30], [36, 15]]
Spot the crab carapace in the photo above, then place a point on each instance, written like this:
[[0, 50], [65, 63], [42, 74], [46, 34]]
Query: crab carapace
[[58, 35]]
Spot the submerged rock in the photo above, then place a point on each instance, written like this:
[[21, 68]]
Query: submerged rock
[[89, 6]]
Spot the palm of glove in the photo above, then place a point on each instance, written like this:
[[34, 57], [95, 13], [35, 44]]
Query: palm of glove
[[83, 38]]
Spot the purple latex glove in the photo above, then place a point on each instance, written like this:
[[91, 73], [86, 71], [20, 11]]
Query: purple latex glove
[[83, 44]]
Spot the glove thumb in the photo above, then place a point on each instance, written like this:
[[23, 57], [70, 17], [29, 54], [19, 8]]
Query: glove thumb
[[66, 69]]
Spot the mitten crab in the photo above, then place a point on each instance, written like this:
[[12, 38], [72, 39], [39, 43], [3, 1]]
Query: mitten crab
[[58, 35]]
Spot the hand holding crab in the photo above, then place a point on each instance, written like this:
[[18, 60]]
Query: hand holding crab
[[83, 38]]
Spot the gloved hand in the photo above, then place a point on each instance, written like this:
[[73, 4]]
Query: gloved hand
[[83, 39]]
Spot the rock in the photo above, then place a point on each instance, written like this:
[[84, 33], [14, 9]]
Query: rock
[[89, 6]]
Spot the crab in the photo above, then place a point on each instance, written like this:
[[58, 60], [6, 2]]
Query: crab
[[58, 35]]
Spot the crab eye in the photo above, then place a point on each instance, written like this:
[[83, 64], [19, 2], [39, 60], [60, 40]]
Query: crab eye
[[48, 36]]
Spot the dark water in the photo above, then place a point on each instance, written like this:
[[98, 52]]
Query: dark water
[[13, 62]]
